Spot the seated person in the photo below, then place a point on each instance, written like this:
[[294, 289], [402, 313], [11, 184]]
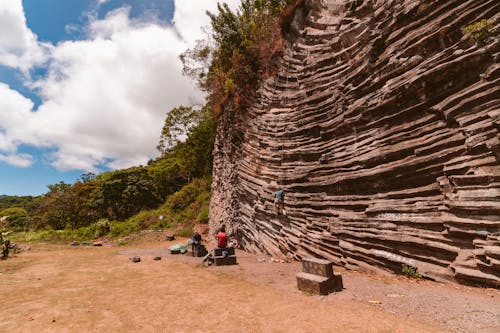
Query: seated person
[[222, 237]]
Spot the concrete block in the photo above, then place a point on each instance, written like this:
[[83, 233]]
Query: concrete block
[[218, 251], [225, 261], [318, 285], [317, 266]]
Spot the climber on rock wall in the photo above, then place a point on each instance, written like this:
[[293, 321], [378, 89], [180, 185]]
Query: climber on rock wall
[[279, 201]]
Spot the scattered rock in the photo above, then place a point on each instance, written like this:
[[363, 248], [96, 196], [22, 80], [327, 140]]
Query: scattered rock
[[136, 259], [375, 302], [74, 243], [21, 247], [157, 258], [170, 237], [97, 243]]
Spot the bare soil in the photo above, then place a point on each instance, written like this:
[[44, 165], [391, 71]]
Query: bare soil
[[59, 288]]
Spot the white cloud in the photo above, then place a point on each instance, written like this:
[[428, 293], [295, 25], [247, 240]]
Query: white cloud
[[105, 98], [19, 160], [15, 110], [19, 47]]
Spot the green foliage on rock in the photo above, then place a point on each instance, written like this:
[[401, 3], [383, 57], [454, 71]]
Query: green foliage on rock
[[480, 31], [240, 50], [410, 271]]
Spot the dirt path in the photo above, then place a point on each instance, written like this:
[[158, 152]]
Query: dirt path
[[65, 289]]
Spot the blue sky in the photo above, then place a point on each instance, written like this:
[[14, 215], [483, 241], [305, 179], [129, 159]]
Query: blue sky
[[85, 84]]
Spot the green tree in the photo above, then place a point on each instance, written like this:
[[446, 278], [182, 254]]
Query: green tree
[[16, 217], [179, 121]]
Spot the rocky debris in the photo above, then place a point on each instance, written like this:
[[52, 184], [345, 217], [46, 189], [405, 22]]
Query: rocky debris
[[170, 237], [178, 248], [135, 259], [382, 126], [157, 258], [97, 243], [21, 247], [271, 260], [74, 243]]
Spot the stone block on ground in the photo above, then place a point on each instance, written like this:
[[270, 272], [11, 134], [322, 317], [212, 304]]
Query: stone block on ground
[[225, 261], [317, 284], [219, 251], [317, 266]]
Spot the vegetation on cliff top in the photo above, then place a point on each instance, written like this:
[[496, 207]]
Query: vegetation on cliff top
[[240, 50]]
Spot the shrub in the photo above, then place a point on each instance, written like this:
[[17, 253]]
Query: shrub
[[410, 271], [480, 31], [119, 229]]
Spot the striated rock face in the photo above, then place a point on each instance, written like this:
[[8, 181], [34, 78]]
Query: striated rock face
[[382, 125]]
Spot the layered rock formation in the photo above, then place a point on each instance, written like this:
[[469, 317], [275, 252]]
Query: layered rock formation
[[382, 126]]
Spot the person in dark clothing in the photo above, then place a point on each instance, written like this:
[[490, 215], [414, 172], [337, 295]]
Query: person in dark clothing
[[196, 242], [279, 201], [5, 249]]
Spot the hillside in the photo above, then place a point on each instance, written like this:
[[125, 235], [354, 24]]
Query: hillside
[[382, 126]]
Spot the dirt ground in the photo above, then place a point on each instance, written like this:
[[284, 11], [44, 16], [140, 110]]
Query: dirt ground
[[59, 288]]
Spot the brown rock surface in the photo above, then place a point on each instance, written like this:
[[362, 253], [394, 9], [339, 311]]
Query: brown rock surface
[[382, 126]]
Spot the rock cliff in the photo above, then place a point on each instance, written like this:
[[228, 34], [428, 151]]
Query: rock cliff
[[382, 126]]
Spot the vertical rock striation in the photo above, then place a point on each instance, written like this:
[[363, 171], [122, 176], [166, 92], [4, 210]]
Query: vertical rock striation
[[382, 125]]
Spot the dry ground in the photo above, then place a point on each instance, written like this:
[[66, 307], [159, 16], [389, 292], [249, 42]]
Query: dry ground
[[58, 288]]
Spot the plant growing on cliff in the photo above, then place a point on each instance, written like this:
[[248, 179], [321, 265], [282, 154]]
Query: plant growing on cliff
[[410, 271], [480, 31], [240, 50]]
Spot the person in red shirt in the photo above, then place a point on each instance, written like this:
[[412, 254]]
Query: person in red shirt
[[222, 237]]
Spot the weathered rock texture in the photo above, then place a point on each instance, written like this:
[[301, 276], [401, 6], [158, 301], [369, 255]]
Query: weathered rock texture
[[382, 125]]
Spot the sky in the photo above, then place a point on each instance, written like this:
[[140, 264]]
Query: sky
[[85, 84]]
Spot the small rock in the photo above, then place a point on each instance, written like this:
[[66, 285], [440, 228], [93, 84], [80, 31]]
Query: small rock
[[157, 258], [375, 302], [135, 259], [74, 243], [97, 243], [53, 319], [170, 237]]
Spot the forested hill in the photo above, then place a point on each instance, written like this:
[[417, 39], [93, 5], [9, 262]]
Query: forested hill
[[176, 186], [8, 201]]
